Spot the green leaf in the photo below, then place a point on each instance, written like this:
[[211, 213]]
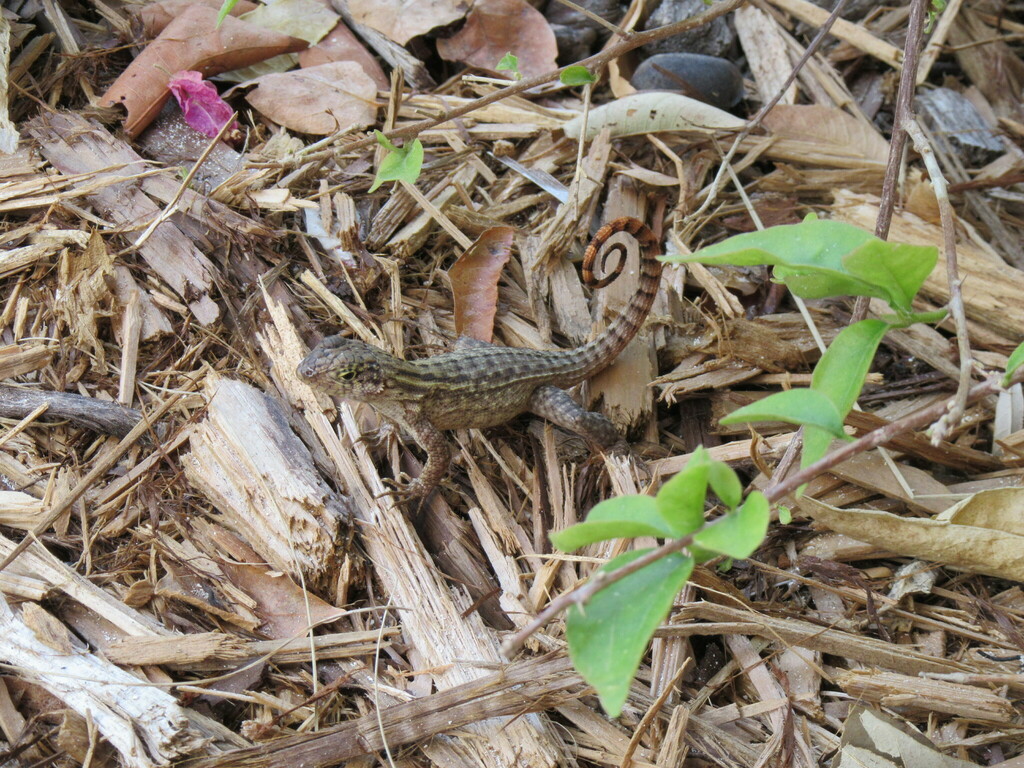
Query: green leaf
[[725, 483], [1015, 362], [680, 501], [901, 268], [225, 9], [816, 444], [841, 372], [740, 532], [509, 63], [385, 142], [576, 75], [399, 164], [785, 515], [795, 406], [840, 375], [616, 518], [608, 636], [904, 319], [819, 258]]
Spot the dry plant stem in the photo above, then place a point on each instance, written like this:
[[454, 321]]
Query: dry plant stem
[[102, 467], [100, 415], [723, 169], [904, 99], [774, 493], [956, 299], [593, 63]]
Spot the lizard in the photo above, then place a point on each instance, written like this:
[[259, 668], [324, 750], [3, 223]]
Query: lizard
[[480, 384]]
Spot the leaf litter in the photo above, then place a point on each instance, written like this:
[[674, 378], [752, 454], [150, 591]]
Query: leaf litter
[[189, 562]]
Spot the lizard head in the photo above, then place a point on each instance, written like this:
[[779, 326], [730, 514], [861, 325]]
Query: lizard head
[[347, 367]]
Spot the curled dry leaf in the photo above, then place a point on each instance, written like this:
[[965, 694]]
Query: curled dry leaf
[[402, 20], [191, 41], [319, 100], [495, 27], [652, 112], [981, 534], [341, 45], [871, 737], [474, 277]]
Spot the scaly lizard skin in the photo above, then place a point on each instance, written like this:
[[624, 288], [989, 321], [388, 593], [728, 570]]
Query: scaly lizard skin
[[483, 385]]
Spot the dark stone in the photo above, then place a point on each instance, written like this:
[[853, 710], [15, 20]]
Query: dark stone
[[713, 39], [710, 79], [576, 34]]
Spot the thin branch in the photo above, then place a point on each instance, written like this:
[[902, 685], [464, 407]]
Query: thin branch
[[616, 30], [904, 99], [956, 299]]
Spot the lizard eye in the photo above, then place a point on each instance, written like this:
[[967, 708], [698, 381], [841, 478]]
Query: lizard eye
[[347, 374]]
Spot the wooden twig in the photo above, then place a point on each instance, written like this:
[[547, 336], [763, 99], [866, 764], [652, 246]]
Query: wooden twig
[[615, 30], [904, 99], [88, 412], [528, 686]]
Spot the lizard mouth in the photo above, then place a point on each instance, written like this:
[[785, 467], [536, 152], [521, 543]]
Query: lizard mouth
[[312, 367]]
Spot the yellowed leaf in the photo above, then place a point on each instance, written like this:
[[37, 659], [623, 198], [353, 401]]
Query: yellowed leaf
[[652, 112], [982, 534]]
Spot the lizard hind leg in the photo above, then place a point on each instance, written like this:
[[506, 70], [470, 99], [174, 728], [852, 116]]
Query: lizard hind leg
[[555, 405]]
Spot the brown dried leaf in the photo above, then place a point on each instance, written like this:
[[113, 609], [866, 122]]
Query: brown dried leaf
[[402, 20], [191, 41], [156, 16], [341, 45], [284, 607], [319, 100], [496, 27], [819, 124], [475, 278]]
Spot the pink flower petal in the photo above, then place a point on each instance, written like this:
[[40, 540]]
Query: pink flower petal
[[203, 108]]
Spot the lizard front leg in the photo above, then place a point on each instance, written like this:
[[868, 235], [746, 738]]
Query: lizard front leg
[[439, 455], [555, 405]]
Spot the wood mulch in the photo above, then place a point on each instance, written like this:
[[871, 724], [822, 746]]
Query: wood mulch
[[197, 507]]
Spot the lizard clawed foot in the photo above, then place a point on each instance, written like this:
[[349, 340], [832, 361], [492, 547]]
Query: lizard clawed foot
[[379, 436], [404, 489]]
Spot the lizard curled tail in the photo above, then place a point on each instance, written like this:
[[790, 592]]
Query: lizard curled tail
[[597, 354]]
